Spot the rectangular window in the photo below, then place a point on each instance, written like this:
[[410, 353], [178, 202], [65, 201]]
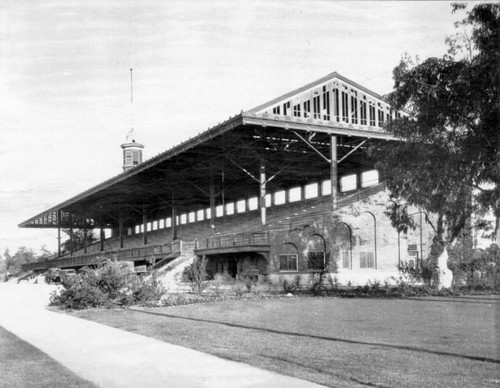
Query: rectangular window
[[294, 194], [380, 116], [129, 231], [316, 107], [366, 260], [326, 104], [155, 225], [279, 197], [326, 187], [286, 108], [372, 114], [348, 183], [354, 108], [345, 107], [288, 262], [191, 217], [183, 218], [276, 110], [307, 108], [336, 104], [253, 203], [168, 222], [296, 110], [230, 208], [161, 224], [315, 259], [241, 206], [369, 178], [311, 190], [219, 211], [363, 111], [200, 215]]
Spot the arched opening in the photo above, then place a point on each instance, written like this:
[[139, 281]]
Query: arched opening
[[342, 245], [288, 258], [316, 252]]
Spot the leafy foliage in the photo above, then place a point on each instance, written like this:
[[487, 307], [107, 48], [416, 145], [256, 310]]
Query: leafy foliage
[[111, 284], [449, 163]]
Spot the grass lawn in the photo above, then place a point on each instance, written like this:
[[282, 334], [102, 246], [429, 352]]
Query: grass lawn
[[24, 366], [431, 342]]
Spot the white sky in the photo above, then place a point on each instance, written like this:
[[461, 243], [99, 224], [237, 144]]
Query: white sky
[[65, 78]]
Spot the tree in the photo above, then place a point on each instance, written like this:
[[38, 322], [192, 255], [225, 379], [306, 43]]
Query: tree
[[449, 161], [23, 255]]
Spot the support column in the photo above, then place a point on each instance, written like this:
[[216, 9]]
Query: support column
[[262, 201], [333, 171], [120, 228], [101, 237], [212, 200], [85, 237], [58, 233], [71, 236], [144, 226], [174, 217]]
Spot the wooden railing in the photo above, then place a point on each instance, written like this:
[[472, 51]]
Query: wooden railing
[[234, 240], [133, 254]]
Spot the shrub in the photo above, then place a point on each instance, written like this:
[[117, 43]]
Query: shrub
[[196, 274], [111, 284]]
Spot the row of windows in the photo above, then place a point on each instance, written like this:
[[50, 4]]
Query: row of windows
[[290, 262], [347, 106], [347, 183]]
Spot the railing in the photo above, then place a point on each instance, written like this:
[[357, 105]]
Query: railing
[[234, 240], [145, 252]]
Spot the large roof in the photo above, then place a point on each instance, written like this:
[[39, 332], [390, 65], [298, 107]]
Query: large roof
[[230, 153]]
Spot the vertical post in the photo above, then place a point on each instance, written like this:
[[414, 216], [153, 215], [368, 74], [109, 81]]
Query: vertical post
[[58, 233], [144, 225], [212, 200], [120, 227], [174, 219], [333, 170], [262, 201], [85, 236], [101, 237], [71, 236]]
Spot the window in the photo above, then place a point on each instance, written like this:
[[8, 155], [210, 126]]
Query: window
[[276, 110], [326, 187], [219, 211], [286, 108], [316, 107], [307, 108], [311, 190], [345, 107], [372, 114], [354, 108], [161, 224], [366, 260], [369, 178], [363, 111], [200, 215], [129, 231], [279, 197], [191, 217], [336, 104], [348, 182], [183, 219], [346, 259], [241, 206], [253, 203], [326, 104], [296, 110], [230, 208], [295, 194], [315, 259], [288, 262], [155, 225]]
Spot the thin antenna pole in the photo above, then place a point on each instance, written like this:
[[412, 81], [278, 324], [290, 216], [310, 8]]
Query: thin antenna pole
[[131, 100]]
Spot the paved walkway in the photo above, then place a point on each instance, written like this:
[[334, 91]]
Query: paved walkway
[[114, 358]]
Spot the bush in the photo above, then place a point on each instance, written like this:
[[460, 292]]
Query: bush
[[111, 284]]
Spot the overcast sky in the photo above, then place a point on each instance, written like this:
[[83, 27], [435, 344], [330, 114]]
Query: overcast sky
[[65, 78]]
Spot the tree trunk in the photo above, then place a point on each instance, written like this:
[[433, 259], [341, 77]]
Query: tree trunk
[[443, 276]]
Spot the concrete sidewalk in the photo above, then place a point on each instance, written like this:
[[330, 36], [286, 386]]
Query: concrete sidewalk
[[114, 358]]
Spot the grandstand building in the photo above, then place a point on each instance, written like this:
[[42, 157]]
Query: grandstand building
[[257, 194]]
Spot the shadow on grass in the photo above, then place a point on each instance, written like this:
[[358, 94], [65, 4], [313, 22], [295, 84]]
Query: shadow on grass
[[332, 339]]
